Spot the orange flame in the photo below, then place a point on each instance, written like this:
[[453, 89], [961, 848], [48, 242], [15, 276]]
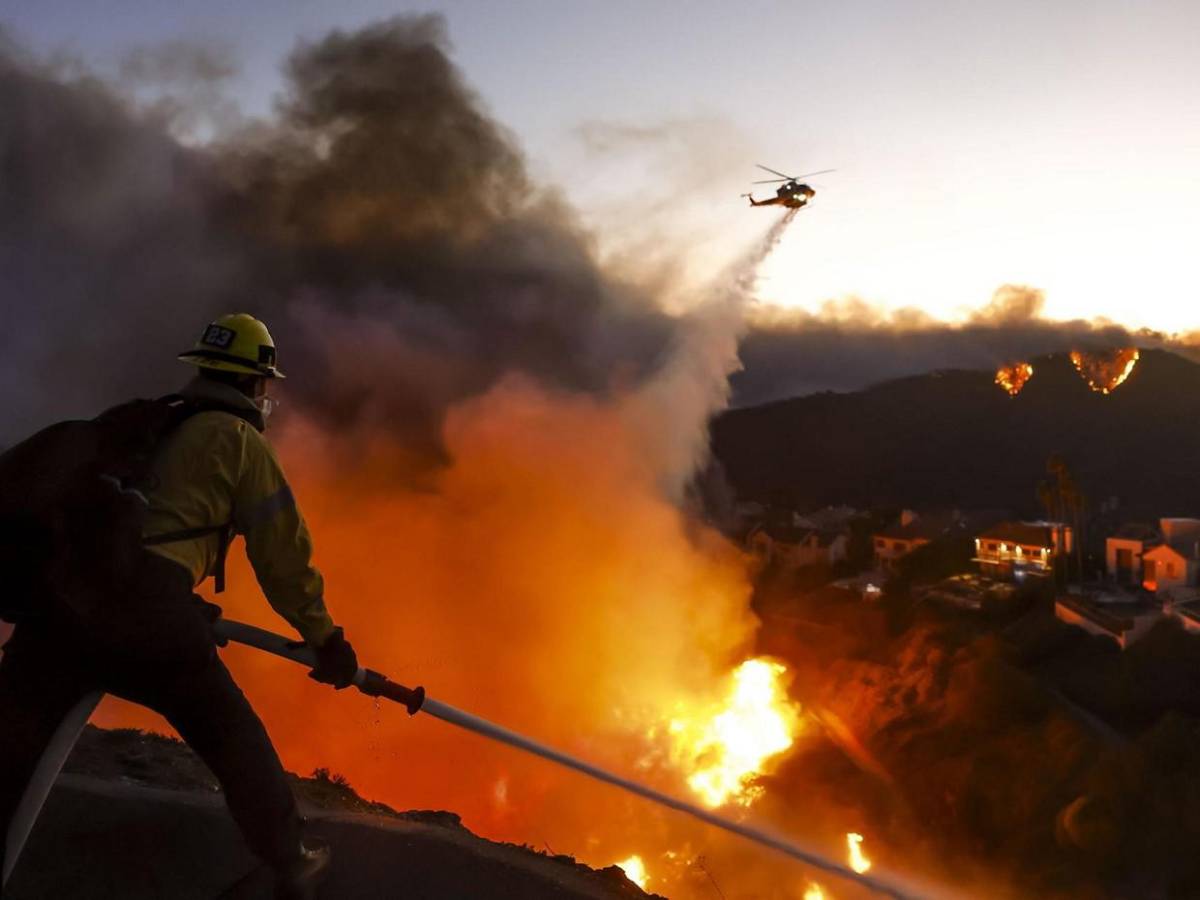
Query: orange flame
[[635, 870], [1104, 372], [724, 750], [854, 852], [1013, 378]]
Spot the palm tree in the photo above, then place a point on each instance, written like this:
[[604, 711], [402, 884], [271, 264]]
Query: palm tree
[[1064, 502]]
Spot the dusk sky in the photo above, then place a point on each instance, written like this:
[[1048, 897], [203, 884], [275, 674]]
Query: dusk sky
[[1053, 145]]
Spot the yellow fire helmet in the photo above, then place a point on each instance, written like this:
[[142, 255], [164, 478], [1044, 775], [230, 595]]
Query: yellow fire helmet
[[237, 342]]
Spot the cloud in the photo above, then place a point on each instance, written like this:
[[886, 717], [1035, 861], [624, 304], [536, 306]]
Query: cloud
[[850, 344], [1012, 304]]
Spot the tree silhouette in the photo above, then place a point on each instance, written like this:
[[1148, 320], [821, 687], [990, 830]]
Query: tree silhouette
[[1064, 502]]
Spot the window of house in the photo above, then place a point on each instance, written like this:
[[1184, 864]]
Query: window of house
[[880, 544], [1170, 570], [993, 546]]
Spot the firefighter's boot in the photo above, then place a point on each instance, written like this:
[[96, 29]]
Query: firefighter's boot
[[300, 878]]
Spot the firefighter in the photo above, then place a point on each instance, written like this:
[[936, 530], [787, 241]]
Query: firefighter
[[215, 476]]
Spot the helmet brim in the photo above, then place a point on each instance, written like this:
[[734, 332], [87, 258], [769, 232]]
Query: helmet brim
[[223, 365]]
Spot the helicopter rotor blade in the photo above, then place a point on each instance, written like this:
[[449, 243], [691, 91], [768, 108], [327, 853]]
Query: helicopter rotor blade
[[774, 172], [811, 174], [771, 181]]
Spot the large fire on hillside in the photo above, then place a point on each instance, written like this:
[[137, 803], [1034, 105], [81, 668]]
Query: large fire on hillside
[[1014, 377], [1105, 371]]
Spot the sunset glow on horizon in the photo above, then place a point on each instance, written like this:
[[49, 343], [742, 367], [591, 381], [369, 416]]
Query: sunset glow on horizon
[[1128, 263]]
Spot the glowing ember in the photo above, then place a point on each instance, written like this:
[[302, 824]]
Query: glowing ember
[[814, 892], [725, 750], [858, 860], [635, 870], [1013, 378], [1107, 371]]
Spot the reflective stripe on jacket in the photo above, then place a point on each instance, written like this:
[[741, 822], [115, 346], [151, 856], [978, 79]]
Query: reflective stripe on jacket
[[217, 468]]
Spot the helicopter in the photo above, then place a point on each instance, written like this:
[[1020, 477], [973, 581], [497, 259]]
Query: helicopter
[[793, 193]]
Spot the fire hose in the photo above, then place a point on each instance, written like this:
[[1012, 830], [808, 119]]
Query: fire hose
[[414, 700]]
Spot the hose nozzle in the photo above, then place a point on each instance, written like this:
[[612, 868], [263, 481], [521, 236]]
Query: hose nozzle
[[375, 684]]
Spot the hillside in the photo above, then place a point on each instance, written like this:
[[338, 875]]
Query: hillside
[[953, 438], [138, 817]]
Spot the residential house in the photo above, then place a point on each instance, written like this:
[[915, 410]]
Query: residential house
[[834, 546], [1124, 550], [1172, 567], [914, 530], [791, 546], [1017, 549], [1122, 621], [895, 542], [833, 525]]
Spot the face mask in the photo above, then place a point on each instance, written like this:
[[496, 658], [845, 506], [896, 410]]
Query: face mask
[[266, 406]]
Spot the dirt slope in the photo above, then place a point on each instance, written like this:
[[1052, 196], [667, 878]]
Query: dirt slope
[[138, 818]]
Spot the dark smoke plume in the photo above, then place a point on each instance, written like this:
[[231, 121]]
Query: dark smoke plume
[[381, 223]]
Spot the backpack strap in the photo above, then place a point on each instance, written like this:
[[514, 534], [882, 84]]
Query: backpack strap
[[183, 534], [192, 405], [224, 539], [184, 407]]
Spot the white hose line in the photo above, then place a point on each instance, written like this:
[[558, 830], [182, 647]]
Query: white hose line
[[48, 767], [810, 857], [280, 646]]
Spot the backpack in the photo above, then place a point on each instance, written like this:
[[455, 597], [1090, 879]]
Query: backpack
[[73, 499]]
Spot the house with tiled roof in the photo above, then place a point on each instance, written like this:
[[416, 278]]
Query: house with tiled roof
[[909, 532], [790, 545], [1123, 551], [914, 530], [1019, 549], [1173, 566]]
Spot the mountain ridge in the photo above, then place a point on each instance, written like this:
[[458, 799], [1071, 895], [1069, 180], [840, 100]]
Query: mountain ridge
[[953, 437]]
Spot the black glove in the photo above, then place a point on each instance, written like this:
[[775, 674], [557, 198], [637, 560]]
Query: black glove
[[336, 662], [212, 614]]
